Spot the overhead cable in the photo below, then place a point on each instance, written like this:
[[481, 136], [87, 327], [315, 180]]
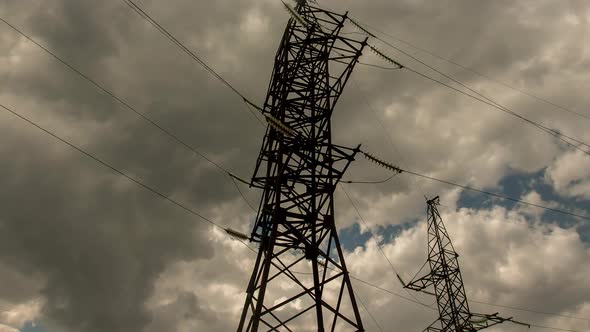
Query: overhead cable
[[431, 53], [551, 132], [393, 269], [397, 169], [370, 182], [240, 237], [113, 168], [126, 105], [530, 310], [369, 313], [135, 7], [482, 98], [426, 306]]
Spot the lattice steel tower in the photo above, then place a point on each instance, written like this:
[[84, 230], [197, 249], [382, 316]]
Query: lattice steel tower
[[299, 256], [445, 277]]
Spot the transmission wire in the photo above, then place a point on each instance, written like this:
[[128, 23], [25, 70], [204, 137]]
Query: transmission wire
[[552, 328], [113, 168], [242, 194], [426, 306], [377, 242], [173, 201], [401, 170], [192, 54], [111, 94], [368, 312], [184, 207], [530, 310], [495, 104], [497, 195], [370, 182], [485, 100], [431, 53], [539, 126], [390, 292], [378, 66]]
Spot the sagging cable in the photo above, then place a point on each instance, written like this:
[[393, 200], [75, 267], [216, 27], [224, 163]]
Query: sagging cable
[[405, 285], [385, 57], [279, 125], [382, 163]]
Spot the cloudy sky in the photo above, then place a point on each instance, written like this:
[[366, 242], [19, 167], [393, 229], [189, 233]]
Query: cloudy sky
[[83, 249]]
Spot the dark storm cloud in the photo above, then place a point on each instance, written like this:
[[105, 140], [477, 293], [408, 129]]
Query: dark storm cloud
[[98, 247], [96, 243]]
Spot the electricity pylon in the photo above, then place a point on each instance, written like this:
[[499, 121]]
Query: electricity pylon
[[445, 277], [300, 277]]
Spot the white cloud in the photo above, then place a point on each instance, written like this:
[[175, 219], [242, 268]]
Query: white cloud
[[570, 175], [4, 328], [505, 258], [17, 315]]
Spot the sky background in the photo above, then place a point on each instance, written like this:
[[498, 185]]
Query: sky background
[[85, 250]]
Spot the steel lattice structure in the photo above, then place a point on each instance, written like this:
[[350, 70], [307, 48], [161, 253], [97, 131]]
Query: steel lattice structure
[[445, 277], [298, 169]]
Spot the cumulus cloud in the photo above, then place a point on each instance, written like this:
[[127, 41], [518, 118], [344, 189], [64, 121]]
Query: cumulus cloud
[[570, 175], [17, 315], [83, 250], [504, 259]]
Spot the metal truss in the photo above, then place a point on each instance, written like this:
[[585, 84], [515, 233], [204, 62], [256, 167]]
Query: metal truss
[[299, 256], [445, 277]]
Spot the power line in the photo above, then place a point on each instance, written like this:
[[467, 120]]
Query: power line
[[124, 103], [154, 191], [376, 242], [431, 53], [242, 194], [424, 305], [530, 310], [551, 132], [485, 100], [393, 175], [507, 307], [552, 328], [115, 97], [541, 127], [387, 133], [368, 312], [401, 170], [113, 168], [378, 66], [368, 229], [171, 200], [192, 54], [370, 182], [480, 302], [390, 292]]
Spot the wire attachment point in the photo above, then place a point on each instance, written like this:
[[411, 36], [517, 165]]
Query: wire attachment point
[[361, 28], [279, 125], [385, 57], [236, 234], [382, 163]]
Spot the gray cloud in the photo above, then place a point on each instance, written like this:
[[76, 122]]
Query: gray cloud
[[98, 249]]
